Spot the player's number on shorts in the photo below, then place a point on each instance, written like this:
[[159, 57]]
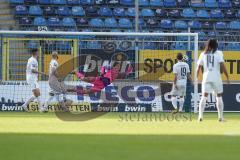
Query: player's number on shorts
[[210, 62], [183, 71]]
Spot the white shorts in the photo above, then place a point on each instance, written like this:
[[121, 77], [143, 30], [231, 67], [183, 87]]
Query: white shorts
[[209, 87], [181, 91], [33, 85]]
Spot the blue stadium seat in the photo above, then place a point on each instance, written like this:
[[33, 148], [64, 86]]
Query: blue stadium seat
[[31, 1], [211, 34], [224, 4], [141, 22], [202, 14], [110, 23], [180, 46], [188, 13], [216, 13], [63, 45], [119, 12], [130, 12], [221, 25], [230, 14], [234, 25], [39, 21], [233, 46], [53, 21], [59, 2], [156, 3], [21, 10], [16, 1], [48, 10], [44, 1], [91, 11], [78, 11], [170, 3], [211, 4], [161, 13], [227, 33], [221, 46], [113, 2], [115, 30], [105, 11], [100, 2], [93, 45], [73, 2], [195, 24], [32, 44], [87, 2], [202, 36], [124, 23], [25, 21], [197, 4], [82, 21], [96, 22], [179, 24], [127, 2], [236, 3], [166, 24], [68, 22], [183, 3], [207, 25], [63, 11], [238, 14], [147, 13], [174, 13], [35, 10], [71, 30], [151, 22], [182, 38], [149, 45], [143, 3]]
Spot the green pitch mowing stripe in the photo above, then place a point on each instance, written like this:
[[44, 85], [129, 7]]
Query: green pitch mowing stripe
[[117, 147], [118, 123], [27, 136]]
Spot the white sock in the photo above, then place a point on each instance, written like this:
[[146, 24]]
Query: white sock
[[181, 102], [39, 102], [29, 100], [202, 105], [47, 102], [220, 107], [174, 102]]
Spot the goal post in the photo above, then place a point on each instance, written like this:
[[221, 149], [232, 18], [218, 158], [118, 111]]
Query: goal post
[[151, 54]]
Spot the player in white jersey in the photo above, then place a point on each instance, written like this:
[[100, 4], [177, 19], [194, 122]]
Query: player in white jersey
[[211, 62], [181, 74], [32, 80], [56, 89]]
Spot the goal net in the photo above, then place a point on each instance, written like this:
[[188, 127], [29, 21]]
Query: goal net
[[147, 87]]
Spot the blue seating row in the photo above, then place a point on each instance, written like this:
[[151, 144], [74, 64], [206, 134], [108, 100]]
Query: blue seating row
[[65, 45], [36, 10], [157, 3], [127, 23]]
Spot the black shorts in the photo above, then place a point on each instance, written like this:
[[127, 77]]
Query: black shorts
[[105, 80]]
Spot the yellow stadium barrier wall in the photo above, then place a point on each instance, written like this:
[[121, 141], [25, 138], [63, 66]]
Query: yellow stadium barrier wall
[[152, 60]]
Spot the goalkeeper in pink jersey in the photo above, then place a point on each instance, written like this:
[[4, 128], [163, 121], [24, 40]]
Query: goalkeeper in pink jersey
[[107, 76]]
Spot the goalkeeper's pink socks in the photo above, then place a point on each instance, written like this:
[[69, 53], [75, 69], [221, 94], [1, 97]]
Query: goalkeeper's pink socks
[[129, 70], [79, 75]]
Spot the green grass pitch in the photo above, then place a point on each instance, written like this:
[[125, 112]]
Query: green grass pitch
[[35, 136]]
